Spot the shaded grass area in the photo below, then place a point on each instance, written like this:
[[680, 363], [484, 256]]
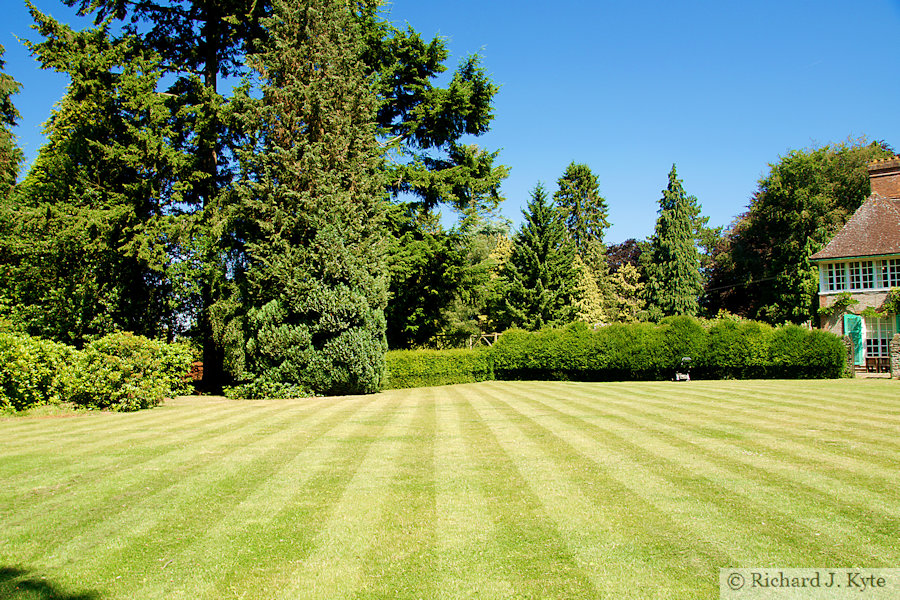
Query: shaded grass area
[[490, 490]]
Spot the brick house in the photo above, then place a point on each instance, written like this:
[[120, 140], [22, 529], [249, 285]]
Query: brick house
[[863, 260]]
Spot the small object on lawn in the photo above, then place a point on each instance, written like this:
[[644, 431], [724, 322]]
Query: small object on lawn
[[686, 367]]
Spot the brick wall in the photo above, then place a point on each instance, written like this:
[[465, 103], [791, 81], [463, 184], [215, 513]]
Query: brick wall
[[884, 175]]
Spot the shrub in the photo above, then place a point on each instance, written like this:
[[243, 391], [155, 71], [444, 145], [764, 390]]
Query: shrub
[[423, 368], [127, 372], [30, 371]]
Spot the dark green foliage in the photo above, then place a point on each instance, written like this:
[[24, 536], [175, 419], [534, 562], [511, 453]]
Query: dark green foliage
[[88, 239], [310, 279], [643, 351], [10, 153], [674, 282], [539, 276], [761, 270], [584, 210], [31, 371], [424, 368], [125, 372]]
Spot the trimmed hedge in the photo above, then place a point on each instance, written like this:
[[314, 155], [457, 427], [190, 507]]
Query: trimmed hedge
[[425, 368], [723, 350], [120, 371]]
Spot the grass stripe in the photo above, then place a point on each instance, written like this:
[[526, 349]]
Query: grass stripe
[[525, 540], [335, 569]]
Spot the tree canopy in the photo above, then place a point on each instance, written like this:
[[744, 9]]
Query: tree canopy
[[761, 269]]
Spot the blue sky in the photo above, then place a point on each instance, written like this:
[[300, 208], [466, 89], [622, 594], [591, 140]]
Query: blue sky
[[721, 89]]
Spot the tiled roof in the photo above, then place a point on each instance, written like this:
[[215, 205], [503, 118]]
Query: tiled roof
[[873, 230]]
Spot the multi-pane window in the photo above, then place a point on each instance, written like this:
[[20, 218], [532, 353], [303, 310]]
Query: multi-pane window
[[890, 273], [861, 275], [855, 275], [879, 331], [836, 280]]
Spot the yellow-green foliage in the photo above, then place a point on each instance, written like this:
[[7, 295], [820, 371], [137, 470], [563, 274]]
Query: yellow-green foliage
[[128, 372], [423, 368], [120, 371], [30, 371]]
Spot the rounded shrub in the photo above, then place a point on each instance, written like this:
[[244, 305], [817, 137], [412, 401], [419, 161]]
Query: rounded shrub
[[30, 371], [126, 372]]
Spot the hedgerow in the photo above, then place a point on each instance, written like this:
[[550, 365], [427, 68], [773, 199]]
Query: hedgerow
[[422, 368], [31, 371]]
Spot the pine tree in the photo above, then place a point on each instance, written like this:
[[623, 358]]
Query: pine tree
[[87, 234], [674, 282], [310, 213], [540, 274], [10, 154]]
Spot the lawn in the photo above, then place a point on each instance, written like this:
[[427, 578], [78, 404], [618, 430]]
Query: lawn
[[490, 490]]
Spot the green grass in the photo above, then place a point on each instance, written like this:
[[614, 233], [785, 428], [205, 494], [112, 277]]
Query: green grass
[[491, 490]]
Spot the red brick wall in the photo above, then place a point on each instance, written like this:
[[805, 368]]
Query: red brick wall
[[884, 176]]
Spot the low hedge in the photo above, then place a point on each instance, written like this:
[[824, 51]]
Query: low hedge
[[424, 368], [120, 372], [722, 349]]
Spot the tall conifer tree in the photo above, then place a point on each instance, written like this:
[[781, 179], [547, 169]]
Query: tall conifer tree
[[540, 273], [309, 212], [674, 282], [10, 154]]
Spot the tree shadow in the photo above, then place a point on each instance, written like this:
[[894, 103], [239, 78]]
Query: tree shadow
[[19, 584]]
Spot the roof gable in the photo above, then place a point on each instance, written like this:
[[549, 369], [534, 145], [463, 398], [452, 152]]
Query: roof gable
[[873, 230]]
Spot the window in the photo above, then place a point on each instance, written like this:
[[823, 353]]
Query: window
[[879, 331], [890, 273], [836, 280], [862, 275]]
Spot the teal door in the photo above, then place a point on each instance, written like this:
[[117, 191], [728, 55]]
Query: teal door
[[853, 328]]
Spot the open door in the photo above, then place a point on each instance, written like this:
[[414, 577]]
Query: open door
[[853, 327]]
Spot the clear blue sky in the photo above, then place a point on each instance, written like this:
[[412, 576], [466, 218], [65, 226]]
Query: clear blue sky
[[719, 88]]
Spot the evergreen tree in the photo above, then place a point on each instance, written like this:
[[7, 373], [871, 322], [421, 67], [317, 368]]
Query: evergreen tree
[[87, 236], [540, 274], [674, 282], [628, 290], [586, 217], [420, 125], [584, 209], [309, 212], [10, 154]]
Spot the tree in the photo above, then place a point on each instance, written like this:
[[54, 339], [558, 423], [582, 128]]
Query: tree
[[674, 282], [583, 208], [586, 217], [10, 154], [540, 276], [420, 125], [88, 234], [628, 296], [309, 212], [761, 269]]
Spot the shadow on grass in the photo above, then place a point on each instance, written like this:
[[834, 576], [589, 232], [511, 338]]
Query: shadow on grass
[[18, 584]]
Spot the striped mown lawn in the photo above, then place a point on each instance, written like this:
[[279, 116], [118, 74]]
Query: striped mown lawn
[[491, 490]]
